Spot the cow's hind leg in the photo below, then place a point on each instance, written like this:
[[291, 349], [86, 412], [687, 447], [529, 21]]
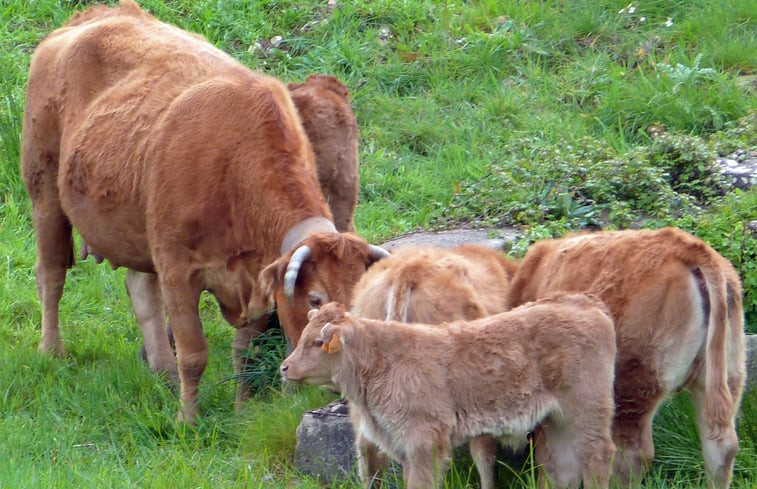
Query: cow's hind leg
[[144, 291], [633, 437], [719, 447], [54, 257]]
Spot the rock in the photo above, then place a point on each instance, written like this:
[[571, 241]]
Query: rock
[[494, 238], [325, 443], [751, 361], [740, 168]]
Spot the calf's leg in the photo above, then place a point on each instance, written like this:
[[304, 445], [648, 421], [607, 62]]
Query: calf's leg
[[719, 447], [371, 462], [633, 437], [425, 468], [483, 450]]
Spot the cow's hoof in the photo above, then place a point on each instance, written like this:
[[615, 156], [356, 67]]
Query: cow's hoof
[[52, 348]]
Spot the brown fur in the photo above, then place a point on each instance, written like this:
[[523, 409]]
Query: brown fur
[[323, 103], [175, 161], [679, 322], [434, 285], [417, 391]]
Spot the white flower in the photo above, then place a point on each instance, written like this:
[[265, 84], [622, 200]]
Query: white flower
[[629, 9], [642, 19], [669, 22]]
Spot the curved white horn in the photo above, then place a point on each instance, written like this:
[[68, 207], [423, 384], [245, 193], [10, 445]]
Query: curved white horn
[[293, 269], [377, 253]]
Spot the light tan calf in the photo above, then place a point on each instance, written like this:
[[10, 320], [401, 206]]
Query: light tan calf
[[678, 316], [425, 284], [417, 391]]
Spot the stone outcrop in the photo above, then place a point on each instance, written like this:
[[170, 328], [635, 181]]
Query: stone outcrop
[[751, 361], [325, 443], [740, 167]]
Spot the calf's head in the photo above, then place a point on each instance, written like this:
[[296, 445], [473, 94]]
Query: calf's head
[[320, 347], [324, 268]]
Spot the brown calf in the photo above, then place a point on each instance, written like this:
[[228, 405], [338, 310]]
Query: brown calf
[[678, 317], [433, 285]]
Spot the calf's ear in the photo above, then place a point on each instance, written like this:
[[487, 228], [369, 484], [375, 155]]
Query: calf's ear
[[334, 344], [271, 277]]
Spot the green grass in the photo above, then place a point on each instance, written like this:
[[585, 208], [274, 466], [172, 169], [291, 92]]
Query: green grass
[[521, 113]]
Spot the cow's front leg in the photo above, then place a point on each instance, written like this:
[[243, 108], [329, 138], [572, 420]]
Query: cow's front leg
[[181, 300], [147, 302], [240, 348]]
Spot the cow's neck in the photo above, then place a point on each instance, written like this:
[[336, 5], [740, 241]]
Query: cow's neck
[[302, 229]]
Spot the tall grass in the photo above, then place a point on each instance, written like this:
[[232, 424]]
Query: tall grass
[[533, 114]]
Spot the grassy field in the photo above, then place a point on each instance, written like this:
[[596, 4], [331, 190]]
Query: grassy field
[[533, 114]]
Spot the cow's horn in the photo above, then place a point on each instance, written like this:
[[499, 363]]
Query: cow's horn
[[377, 253], [293, 269]]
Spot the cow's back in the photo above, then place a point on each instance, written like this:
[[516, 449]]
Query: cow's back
[[143, 118]]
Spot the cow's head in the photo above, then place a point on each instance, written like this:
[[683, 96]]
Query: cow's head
[[324, 268], [318, 352]]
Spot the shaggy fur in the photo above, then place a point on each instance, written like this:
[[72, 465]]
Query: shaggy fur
[[678, 316], [417, 391], [434, 285], [175, 161]]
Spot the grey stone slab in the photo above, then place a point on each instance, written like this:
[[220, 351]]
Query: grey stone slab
[[494, 238]]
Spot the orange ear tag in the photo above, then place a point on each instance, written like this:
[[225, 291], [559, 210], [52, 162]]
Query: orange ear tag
[[332, 346]]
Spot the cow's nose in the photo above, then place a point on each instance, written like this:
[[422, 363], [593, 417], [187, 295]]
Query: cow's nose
[[284, 368]]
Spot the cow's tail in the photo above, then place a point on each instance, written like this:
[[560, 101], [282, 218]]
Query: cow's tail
[[719, 400]]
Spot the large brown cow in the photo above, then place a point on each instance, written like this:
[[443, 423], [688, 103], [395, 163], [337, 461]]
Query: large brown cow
[[679, 324], [432, 285], [416, 391], [177, 162]]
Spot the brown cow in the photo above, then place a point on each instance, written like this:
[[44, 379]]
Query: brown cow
[[679, 324], [323, 103], [417, 391], [175, 161], [433, 285]]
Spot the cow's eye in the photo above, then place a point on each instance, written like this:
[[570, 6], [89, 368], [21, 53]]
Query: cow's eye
[[318, 343], [316, 299]]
